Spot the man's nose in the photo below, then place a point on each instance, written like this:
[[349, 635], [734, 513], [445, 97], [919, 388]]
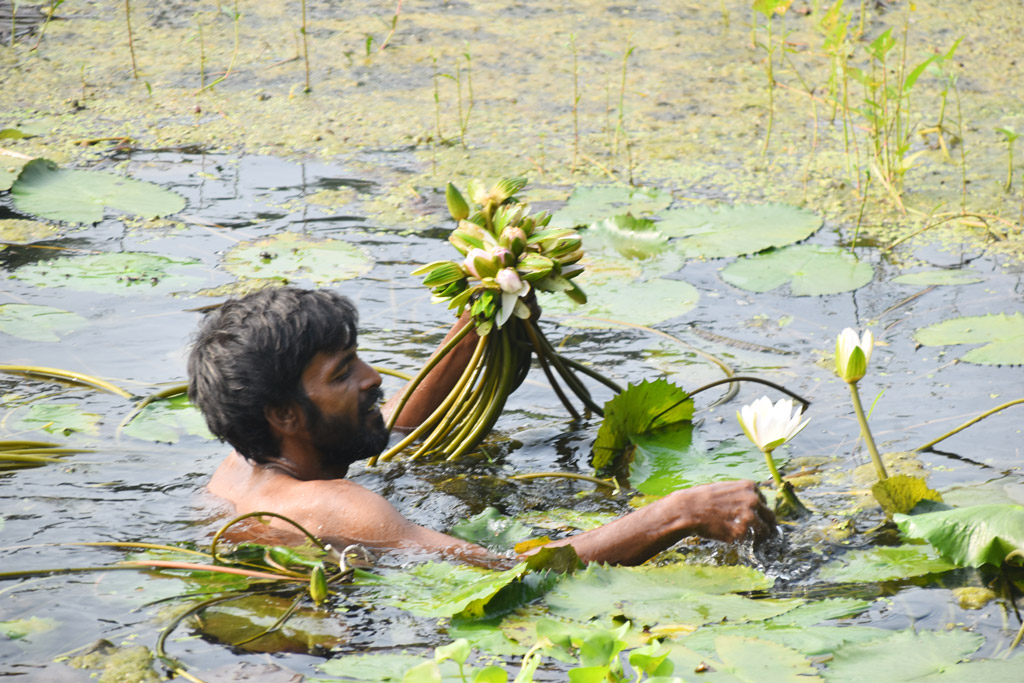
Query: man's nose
[[368, 377]]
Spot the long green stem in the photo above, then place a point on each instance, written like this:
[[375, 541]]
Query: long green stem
[[131, 42], [865, 431], [66, 375], [776, 477], [567, 475], [970, 422]]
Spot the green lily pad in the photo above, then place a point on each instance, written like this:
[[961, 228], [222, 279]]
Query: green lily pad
[[926, 278], [810, 270], [111, 273], [381, 668], [589, 204], [38, 323], [492, 530], [166, 420], [1001, 334], [902, 656], [669, 460], [306, 630], [725, 231], [21, 231], [57, 418], [75, 196], [874, 565], [638, 303], [760, 660], [973, 536], [10, 168], [625, 236], [293, 256], [988, 670]]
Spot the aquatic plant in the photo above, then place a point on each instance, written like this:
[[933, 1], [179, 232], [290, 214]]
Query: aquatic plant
[[768, 9], [1010, 135], [131, 41], [305, 45], [852, 356], [769, 426]]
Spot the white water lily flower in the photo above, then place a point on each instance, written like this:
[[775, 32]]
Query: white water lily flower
[[769, 426], [853, 354], [512, 288]]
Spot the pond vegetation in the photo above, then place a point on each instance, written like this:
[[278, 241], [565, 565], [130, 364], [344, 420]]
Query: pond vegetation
[[805, 198]]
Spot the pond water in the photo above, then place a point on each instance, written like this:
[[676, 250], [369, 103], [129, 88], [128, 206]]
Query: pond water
[[136, 335]]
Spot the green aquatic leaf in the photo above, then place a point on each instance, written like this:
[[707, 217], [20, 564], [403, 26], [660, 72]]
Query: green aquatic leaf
[[640, 409], [56, 418], [674, 594], [38, 323], [388, 667], [626, 236], [75, 196], [973, 536], [902, 492], [708, 232], [21, 231], [18, 629], [9, 171], [810, 270], [589, 204], [901, 656], [113, 273], [306, 630], [883, 563], [294, 256], [754, 659], [639, 303], [926, 278], [167, 420], [492, 530], [670, 460], [1001, 334], [987, 670]]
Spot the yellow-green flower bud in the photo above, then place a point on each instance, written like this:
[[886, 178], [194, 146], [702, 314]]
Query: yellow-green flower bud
[[457, 205], [318, 584]]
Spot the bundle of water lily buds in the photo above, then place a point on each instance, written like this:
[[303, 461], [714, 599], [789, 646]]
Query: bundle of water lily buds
[[507, 254]]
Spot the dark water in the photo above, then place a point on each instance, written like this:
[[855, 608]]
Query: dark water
[[131, 490]]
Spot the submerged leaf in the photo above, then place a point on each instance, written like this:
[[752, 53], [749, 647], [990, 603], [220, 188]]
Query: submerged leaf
[[75, 196], [810, 270], [902, 492], [16, 629], [111, 273], [1003, 336], [639, 303], [973, 536], [589, 204], [737, 230], [670, 459], [38, 323], [640, 409], [884, 564], [293, 256], [55, 418], [492, 530]]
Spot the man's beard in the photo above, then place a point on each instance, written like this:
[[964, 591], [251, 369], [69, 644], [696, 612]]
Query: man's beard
[[340, 443]]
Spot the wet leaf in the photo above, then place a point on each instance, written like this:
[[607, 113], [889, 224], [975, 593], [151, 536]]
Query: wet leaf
[[305, 631], [973, 536], [21, 231], [629, 237], [390, 667], [902, 656], [589, 204], [902, 492], [754, 659], [669, 460], [492, 530], [293, 256], [987, 670], [112, 273], [1001, 334], [56, 418], [810, 270], [640, 303], [884, 563], [75, 196], [17, 629], [167, 420], [708, 232], [640, 409], [938, 277], [38, 323]]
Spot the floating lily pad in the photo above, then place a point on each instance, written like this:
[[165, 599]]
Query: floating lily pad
[[669, 460], [75, 196], [647, 302], [939, 277], [21, 231], [492, 530], [983, 534], [56, 418], [884, 564], [292, 256], [754, 659], [9, 169], [306, 630], [589, 204], [1001, 334], [633, 238], [902, 656], [38, 323], [810, 270], [382, 668], [167, 420], [111, 273], [708, 232]]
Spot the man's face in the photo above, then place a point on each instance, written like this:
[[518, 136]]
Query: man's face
[[344, 422]]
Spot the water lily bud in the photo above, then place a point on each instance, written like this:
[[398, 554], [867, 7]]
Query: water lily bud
[[318, 584], [469, 264], [535, 267], [457, 205], [853, 354], [477, 192], [480, 263], [513, 238], [566, 245], [503, 256], [508, 280], [570, 258]]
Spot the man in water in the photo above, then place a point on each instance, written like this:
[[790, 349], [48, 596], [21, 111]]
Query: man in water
[[277, 376]]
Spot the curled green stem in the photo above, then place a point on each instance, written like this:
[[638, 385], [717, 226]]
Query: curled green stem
[[865, 432], [65, 375], [970, 422], [260, 513]]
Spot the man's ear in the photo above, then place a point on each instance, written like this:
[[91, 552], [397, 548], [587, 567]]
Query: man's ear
[[285, 420]]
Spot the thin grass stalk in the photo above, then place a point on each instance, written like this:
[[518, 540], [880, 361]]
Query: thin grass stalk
[[234, 54], [305, 44], [965, 425], [575, 101], [131, 41], [620, 128]]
